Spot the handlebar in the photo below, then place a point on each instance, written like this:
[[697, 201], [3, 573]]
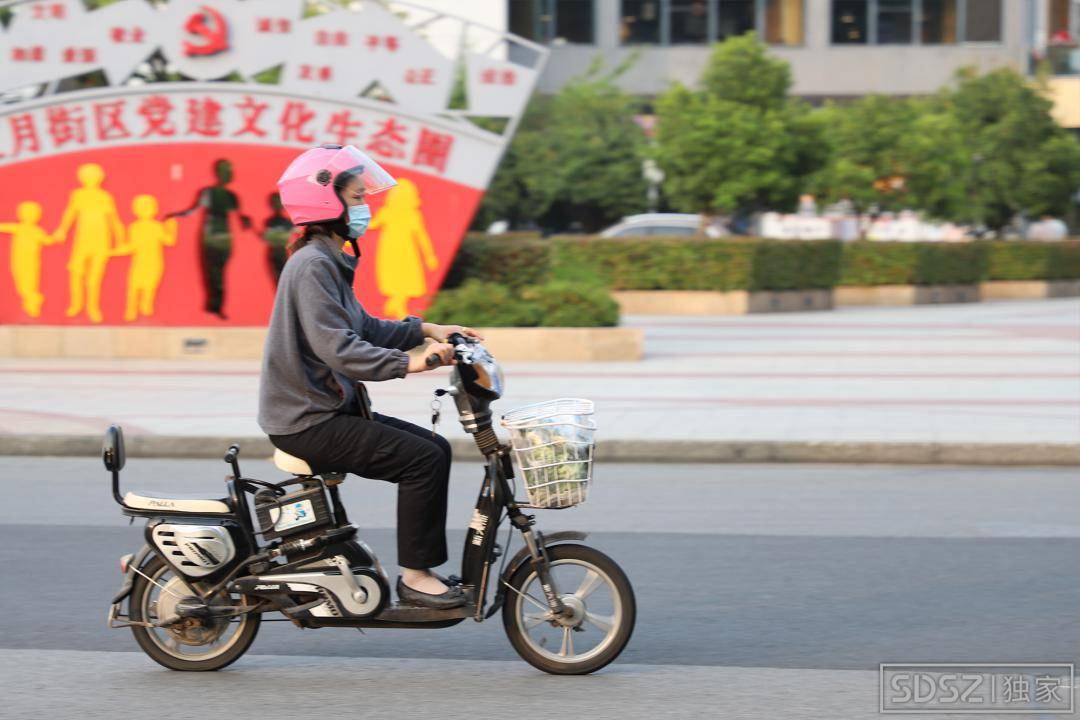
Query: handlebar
[[461, 347]]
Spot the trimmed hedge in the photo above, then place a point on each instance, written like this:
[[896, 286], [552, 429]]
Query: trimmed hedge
[[666, 263], [660, 264], [514, 260], [878, 263], [1033, 260], [555, 303]]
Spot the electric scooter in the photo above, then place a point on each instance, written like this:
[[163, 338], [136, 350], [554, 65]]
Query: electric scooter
[[195, 594]]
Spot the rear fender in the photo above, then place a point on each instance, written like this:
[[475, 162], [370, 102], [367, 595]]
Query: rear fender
[[116, 618]]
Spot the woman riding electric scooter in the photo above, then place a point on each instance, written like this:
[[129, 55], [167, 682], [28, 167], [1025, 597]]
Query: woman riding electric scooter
[[321, 341]]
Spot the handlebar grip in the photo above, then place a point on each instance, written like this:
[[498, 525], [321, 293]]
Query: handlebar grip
[[433, 360]]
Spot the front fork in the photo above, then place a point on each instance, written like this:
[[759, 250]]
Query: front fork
[[538, 552]]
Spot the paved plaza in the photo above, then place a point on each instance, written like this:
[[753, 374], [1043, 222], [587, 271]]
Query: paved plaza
[[984, 373]]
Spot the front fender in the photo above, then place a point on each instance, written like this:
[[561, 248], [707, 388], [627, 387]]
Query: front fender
[[523, 557]]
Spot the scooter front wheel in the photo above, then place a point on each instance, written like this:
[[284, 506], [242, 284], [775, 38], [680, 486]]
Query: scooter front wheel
[[193, 645], [600, 617]]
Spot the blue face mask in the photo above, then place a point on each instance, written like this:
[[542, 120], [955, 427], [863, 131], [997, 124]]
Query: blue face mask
[[359, 217]]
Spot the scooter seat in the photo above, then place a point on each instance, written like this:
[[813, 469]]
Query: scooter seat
[[290, 463], [176, 503]]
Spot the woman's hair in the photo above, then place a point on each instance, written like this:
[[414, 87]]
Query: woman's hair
[[307, 232]]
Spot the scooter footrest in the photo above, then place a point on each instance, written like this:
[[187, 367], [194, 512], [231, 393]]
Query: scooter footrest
[[416, 613]]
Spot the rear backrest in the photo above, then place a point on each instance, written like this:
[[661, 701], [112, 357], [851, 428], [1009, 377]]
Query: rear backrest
[[112, 452]]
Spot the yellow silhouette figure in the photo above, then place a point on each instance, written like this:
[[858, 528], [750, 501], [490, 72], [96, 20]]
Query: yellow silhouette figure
[[146, 239], [27, 239], [93, 211], [398, 270]]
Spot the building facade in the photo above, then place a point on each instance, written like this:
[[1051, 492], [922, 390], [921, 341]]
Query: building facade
[[836, 48]]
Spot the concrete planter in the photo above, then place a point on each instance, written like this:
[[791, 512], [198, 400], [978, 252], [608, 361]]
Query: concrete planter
[[899, 295], [1029, 289], [790, 301], [934, 294], [682, 302], [732, 302], [246, 343], [875, 295]]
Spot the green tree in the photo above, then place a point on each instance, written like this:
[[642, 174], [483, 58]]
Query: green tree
[[864, 142], [742, 71], [936, 162], [1021, 160], [740, 143], [576, 158]]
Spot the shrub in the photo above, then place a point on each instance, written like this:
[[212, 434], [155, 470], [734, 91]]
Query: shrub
[[568, 304], [698, 264], [1033, 260], [514, 260], [482, 304], [680, 263], [878, 263], [655, 264], [907, 263], [795, 265], [552, 304], [939, 263]]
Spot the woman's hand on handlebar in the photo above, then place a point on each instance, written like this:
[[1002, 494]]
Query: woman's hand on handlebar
[[442, 332], [429, 356]]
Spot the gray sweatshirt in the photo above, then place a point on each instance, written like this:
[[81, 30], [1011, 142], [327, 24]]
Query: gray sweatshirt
[[321, 341]]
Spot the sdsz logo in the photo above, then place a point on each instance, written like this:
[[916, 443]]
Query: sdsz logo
[[938, 688]]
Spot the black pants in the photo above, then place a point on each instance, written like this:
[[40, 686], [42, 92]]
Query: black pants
[[390, 449]]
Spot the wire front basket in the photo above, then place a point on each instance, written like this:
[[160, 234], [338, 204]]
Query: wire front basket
[[553, 444]]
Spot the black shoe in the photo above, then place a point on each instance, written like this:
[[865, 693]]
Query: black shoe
[[447, 581], [452, 598]]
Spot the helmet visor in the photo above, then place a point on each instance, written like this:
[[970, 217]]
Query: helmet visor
[[356, 162]]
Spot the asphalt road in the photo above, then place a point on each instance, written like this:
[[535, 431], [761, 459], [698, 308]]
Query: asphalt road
[[763, 591]]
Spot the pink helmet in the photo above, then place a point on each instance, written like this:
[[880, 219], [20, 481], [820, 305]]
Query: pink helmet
[[311, 186]]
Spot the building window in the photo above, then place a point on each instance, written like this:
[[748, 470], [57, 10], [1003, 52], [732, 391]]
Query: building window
[[1061, 22], [849, 26], [938, 22], [983, 21], [894, 22], [783, 22], [689, 21], [640, 22], [524, 19], [574, 21], [683, 22], [547, 20], [735, 17]]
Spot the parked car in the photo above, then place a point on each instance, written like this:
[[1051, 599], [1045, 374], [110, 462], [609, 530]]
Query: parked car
[[662, 224]]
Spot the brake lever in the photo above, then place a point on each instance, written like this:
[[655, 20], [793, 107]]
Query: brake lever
[[462, 348]]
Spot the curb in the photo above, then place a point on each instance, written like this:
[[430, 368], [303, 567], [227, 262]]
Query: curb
[[659, 451], [522, 344]]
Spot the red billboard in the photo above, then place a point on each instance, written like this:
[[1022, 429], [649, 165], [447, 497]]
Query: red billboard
[[153, 203]]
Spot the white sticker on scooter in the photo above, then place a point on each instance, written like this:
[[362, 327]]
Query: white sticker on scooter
[[478, 524], [295, 515], [479, 521]]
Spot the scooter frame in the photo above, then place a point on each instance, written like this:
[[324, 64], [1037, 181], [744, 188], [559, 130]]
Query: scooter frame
[[495, 503]]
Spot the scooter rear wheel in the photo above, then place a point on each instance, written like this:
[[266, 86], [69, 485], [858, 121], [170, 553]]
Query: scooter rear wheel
[[196, 646], [601, 599]]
